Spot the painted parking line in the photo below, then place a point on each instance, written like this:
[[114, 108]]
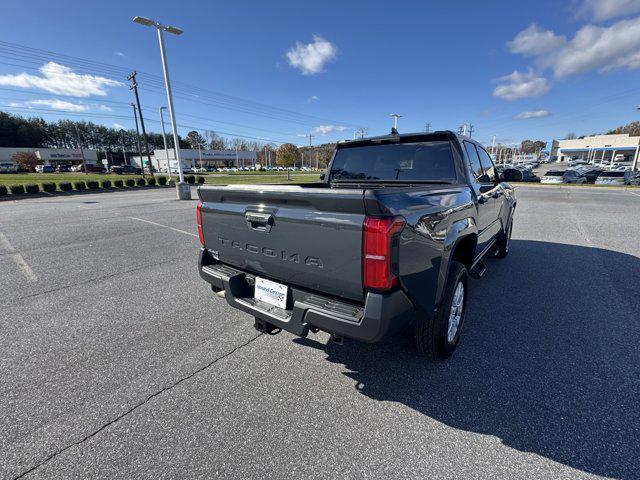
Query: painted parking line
[[163, 226], [18, 259]]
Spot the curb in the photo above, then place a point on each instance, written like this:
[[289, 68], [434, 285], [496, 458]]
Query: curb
[[58, 193]]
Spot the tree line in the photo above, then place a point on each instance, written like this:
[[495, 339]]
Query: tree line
[[35, 132]]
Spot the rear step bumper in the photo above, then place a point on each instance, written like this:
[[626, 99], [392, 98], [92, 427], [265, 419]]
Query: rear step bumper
[[382, 314]]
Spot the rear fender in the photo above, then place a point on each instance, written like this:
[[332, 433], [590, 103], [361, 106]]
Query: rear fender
[[459, 230]]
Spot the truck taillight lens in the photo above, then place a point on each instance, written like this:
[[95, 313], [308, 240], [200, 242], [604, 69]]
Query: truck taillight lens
[[380, 252], [199, 217]]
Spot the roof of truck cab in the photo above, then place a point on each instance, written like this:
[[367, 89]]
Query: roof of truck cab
[[418, 136]]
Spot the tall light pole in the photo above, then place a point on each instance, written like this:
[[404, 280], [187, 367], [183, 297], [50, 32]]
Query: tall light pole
[[637, 153], [166, 147], [395, 121], [184, 190]]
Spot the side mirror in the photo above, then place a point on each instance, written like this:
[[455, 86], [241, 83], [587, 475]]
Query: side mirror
[[484, 179], [322, 175]]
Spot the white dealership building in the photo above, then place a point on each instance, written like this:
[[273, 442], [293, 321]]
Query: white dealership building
[[161, 159], [51, 156], [598, 149]]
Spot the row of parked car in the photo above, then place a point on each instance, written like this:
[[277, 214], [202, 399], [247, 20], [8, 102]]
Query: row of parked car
[[241, 169], [90, 168], [583, 175]]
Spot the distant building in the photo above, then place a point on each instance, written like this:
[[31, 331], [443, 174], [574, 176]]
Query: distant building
[[600, 148], [524, 158], [195, 158], [52, 156]]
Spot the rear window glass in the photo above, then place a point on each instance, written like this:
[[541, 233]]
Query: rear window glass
[[399, 161], [554, 173], [612, 174]]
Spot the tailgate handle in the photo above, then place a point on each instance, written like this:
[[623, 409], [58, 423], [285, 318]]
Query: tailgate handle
[[261, 222]]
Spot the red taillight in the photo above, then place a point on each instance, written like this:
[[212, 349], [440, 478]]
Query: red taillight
[[199, 217], [380, 235]]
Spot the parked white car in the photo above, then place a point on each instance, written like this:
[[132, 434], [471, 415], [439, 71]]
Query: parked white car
[[7, 167], [625, 177], [552, 176]]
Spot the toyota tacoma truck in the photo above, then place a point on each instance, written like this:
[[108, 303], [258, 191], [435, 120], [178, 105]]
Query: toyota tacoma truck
[[386, 240]]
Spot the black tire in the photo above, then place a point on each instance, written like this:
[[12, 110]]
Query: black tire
[[431, 333], [503, 241]]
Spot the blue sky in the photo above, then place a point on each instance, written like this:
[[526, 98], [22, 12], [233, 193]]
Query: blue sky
[[516, 70]]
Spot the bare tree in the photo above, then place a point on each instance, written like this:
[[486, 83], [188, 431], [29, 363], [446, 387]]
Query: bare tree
[[26, 159]]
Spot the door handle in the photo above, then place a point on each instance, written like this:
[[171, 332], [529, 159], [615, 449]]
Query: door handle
[[259, 221]]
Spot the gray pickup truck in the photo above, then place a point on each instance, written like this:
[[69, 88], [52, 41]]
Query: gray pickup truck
[[386, 240]]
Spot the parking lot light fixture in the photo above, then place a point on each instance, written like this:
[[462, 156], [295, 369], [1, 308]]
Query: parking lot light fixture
[[183, 189]]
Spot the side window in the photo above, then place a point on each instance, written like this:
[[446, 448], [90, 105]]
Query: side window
[[474, 161], [487, 164]]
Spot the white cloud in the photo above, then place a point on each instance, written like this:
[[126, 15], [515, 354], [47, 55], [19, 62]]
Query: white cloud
[[56, 104], [313, 98], [600, 48], [119, 54], [521, 85], [311, 58], [532, 114], [533, 42], [118, 126], [61, 80], [602, 10], [326, 129], [104, 108], [592, 48]]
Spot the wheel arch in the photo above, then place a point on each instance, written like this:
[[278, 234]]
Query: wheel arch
[[460, 245]]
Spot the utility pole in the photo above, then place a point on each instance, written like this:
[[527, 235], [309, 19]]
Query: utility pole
[[166, 147], [84, 162], [311, 151], [493, 145], [470, 130], [135, 116], [361, 131], [395, 116], [200, 153], [124, 156], [427, 127], [134, 87]]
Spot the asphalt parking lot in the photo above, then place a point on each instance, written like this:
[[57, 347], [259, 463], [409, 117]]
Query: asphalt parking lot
[[117, 361]]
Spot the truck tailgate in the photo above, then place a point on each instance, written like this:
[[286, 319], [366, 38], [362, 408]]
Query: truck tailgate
[[309, 237]]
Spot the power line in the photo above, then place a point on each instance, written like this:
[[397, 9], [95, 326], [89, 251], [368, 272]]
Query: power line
[[20, 110], [34, 56]]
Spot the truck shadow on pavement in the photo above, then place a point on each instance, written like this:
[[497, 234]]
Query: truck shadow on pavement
[[549, 360]]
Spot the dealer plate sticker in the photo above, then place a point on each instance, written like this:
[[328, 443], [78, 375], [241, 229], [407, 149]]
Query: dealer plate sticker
[[270, 292]]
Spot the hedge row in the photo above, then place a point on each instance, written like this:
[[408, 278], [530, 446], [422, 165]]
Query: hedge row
[[51, 187]]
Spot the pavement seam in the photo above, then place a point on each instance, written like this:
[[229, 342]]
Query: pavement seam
[[93, 279], [135, 407]]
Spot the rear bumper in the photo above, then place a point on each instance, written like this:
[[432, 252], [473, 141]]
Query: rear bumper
[[381, 314]]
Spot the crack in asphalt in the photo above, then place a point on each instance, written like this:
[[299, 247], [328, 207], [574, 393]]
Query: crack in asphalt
[[135, 407], [92, 279]]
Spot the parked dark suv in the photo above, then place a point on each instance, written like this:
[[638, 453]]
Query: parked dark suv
[[121, 169]]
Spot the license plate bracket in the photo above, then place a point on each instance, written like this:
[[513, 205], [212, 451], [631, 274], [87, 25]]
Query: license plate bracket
[[271, 292]]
